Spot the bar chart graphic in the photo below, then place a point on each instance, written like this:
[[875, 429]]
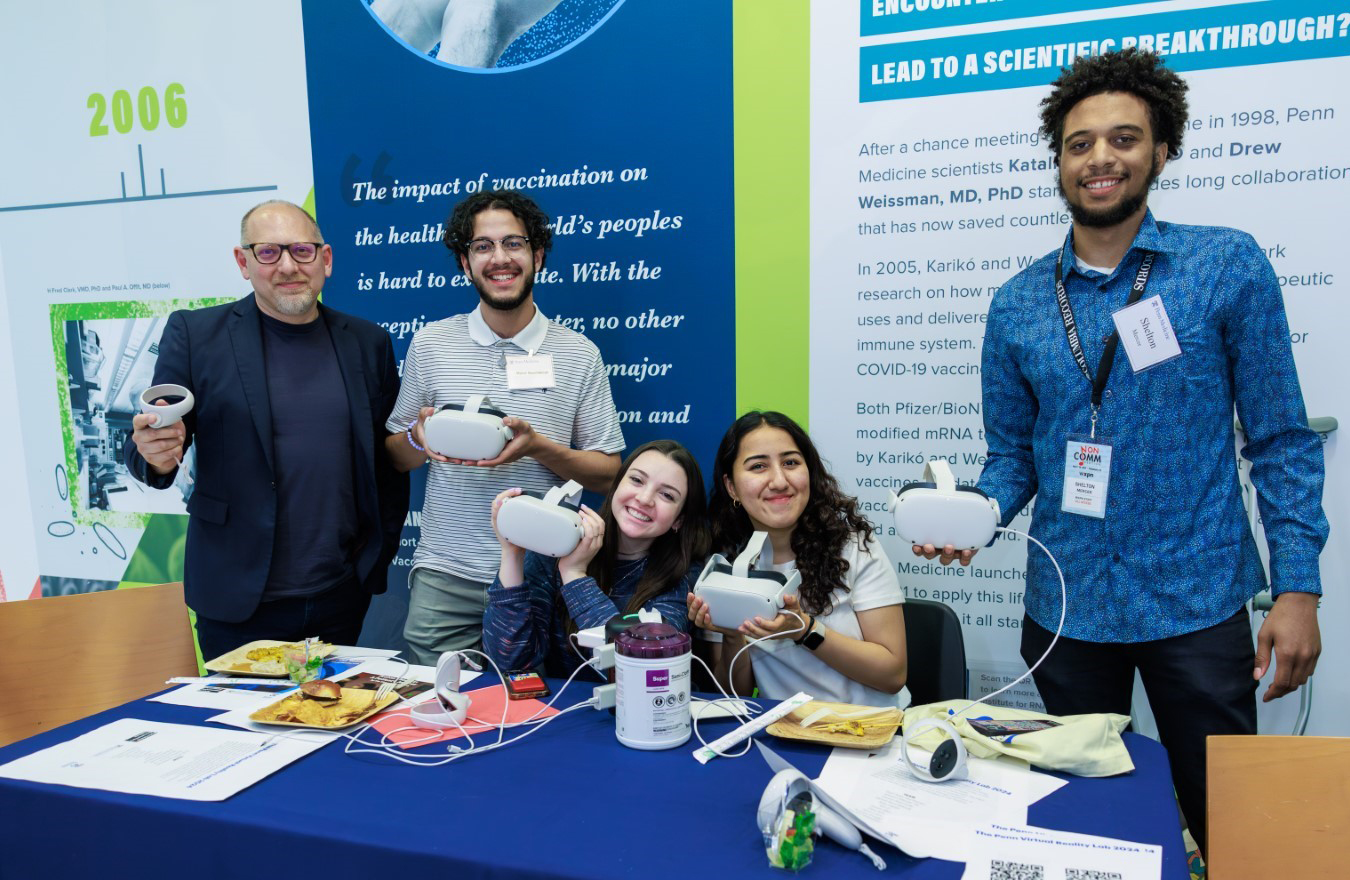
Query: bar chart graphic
[[145, 195]]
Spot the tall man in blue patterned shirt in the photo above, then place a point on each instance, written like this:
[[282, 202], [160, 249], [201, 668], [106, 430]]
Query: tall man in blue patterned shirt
[[1130, 458]]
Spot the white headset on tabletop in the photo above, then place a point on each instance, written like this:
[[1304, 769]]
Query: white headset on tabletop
[[449, 708]]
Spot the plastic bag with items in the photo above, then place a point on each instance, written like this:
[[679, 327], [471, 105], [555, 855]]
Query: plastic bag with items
[[1084, 745]]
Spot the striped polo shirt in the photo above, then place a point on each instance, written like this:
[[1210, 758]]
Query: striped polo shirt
[[455, 358]]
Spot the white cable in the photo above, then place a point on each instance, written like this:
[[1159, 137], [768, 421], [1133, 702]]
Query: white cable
[[572, 640], [731, 667], [1063, 609], [733, 697], [876, 859], [503, 723], [392, 750], [751, 709], [725, 698], [457, 753]]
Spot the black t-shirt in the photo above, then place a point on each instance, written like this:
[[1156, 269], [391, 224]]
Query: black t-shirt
[[312, 447]]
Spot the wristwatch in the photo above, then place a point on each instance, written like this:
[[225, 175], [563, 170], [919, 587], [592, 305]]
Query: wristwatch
[[813, 637]]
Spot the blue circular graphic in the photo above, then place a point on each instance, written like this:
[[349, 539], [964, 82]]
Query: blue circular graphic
[[490, 36]]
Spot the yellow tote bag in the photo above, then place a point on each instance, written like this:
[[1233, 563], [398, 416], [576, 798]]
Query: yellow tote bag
[[1085, 745]]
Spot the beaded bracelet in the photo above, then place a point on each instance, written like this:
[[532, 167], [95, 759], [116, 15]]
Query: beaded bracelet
[[411, 441]]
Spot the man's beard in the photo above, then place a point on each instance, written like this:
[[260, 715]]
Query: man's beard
[[295, 304], [1114, 215], [504, 305]]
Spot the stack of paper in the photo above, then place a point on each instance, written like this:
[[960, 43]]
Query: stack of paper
[[930, 818], [167, 760]]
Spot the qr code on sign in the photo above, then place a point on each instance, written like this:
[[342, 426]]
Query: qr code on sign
[[1001, 870], [1089, 874]]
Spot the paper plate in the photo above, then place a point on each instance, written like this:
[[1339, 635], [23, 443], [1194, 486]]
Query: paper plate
[[878, 728], [236, 662], [354, 707]]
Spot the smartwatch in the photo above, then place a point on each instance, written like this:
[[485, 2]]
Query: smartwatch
[[813, 637]]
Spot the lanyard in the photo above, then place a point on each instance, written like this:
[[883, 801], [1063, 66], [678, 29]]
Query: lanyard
[[1109, 352]]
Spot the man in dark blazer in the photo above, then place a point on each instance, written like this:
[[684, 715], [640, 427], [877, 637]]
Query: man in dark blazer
[[295, 511]]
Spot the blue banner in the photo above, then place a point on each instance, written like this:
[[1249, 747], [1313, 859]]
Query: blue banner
[[614, 117]]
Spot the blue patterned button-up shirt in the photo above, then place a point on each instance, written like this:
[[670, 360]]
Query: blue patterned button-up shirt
[[1174, 553]]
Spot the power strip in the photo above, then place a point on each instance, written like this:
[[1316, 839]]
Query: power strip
[[704, 754]]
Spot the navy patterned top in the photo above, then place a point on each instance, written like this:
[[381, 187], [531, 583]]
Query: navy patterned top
[[523, 626], [1174, 553]]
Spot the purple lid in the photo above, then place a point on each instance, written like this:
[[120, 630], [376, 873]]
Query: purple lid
[[652, 640]]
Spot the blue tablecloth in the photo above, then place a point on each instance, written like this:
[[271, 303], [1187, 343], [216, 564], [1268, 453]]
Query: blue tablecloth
[[568, 802]]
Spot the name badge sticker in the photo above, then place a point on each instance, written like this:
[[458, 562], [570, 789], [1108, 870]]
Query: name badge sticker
[[1087, 477], [529, 371], [1146, 333]]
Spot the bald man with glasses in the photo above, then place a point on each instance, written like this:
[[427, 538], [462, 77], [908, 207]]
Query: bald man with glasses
[[295, 509]]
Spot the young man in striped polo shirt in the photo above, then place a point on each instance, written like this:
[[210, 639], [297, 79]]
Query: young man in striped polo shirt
[[549, 380]]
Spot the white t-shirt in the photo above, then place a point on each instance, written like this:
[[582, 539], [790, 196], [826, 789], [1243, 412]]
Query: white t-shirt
[[453, 359], [782, 668]]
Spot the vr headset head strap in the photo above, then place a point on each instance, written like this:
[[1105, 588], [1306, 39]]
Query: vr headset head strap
[[569, 492], [754, 550], [939, 473]]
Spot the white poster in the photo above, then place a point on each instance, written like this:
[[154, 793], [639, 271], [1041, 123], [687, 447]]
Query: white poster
[[930, 187], [138, 134]]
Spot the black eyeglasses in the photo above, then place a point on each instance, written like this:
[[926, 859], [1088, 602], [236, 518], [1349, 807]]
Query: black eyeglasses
[[512, 244], [301, 251]]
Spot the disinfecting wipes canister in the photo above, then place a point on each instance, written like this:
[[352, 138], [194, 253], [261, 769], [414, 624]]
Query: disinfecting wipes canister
[[651, 669]]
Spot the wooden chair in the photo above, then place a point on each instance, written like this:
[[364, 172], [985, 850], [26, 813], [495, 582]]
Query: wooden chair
[[65, 658], [1279, 806]]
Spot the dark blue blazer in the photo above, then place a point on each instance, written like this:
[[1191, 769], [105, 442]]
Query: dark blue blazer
[[217, 352]]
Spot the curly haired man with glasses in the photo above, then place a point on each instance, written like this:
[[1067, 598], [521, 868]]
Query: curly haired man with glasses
[[548, 379]]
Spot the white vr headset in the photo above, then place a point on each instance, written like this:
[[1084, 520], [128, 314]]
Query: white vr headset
[[472, 431], [735, 593], [550, 525], [450, 708], [168, 413], [939, 512]]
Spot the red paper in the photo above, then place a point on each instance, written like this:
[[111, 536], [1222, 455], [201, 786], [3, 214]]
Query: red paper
[[485, 713]]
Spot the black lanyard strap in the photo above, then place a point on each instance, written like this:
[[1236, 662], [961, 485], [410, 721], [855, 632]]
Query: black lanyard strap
[[1098, 382]]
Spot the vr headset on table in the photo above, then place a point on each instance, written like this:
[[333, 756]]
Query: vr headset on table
[[449, 708]]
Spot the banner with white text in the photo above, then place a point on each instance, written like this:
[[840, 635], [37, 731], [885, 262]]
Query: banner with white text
[[614, 116]]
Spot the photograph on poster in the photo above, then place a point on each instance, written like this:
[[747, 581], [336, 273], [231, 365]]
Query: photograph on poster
[[109, 362]]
